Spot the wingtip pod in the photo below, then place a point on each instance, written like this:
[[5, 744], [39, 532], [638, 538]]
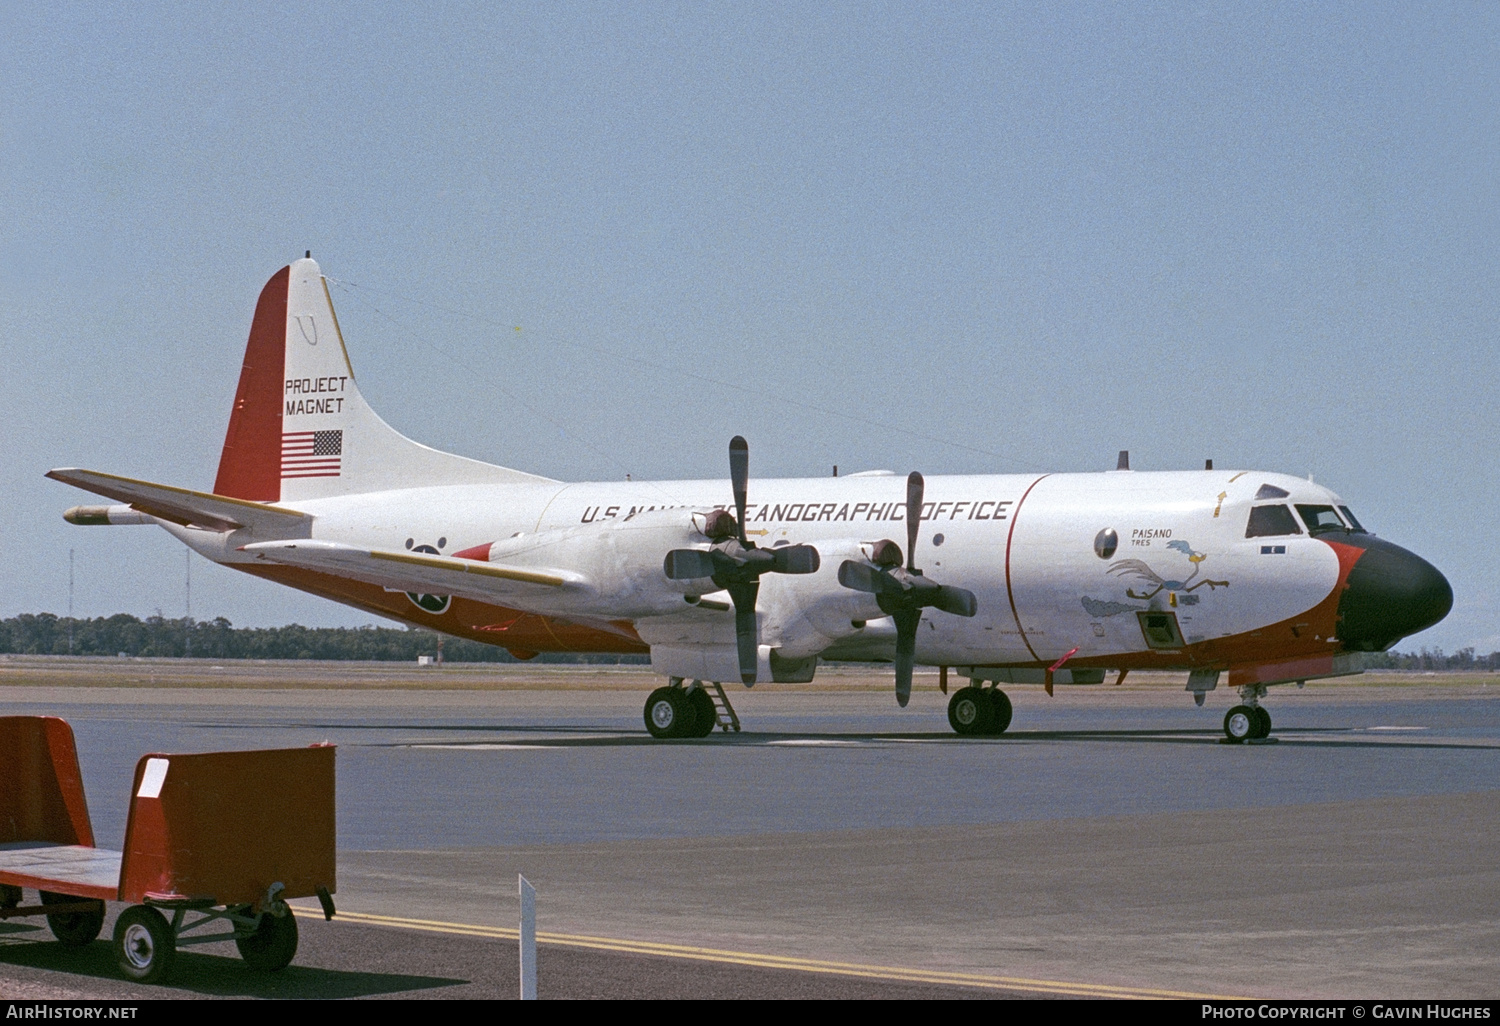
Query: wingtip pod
[[102, 516], [87, 516]]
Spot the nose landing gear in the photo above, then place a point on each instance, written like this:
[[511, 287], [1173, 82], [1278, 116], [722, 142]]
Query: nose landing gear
[[1250, 721]]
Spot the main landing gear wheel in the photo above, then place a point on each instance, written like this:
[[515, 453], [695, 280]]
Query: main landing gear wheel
[[273, 945], [144, 944], [1003, 711], [705, 716], [1262, 724], [1241, 723], [74, 929], [971, 711], [670, 713]]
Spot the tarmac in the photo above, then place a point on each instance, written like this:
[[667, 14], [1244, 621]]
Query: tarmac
[[1108, 845]]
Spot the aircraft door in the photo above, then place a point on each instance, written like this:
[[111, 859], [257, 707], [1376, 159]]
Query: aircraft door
[[1160, 628]]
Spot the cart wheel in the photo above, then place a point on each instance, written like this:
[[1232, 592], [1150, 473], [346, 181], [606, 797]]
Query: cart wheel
[[273, 944], [144, 944], [74, 929]]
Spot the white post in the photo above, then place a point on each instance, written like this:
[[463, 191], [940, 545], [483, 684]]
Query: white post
[[528, 940]]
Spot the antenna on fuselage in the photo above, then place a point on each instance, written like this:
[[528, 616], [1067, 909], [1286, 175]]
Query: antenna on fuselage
[[1123, 463]]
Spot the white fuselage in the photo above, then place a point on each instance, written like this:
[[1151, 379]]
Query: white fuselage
[[1025, 545]]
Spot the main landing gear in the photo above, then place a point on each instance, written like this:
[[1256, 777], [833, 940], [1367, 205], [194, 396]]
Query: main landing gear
[[1250, 721], [974, 710], [683, 709]]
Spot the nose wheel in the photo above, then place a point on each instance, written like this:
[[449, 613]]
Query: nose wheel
[[1247, 723]]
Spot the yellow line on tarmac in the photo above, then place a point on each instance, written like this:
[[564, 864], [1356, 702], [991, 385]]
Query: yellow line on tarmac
[[756, 959]]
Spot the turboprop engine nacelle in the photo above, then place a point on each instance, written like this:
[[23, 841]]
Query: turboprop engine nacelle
[[621, 562], [797, 616], [801, 616]]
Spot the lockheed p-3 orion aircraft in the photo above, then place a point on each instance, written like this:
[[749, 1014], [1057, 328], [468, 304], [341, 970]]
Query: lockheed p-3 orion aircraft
[[1008, 579]]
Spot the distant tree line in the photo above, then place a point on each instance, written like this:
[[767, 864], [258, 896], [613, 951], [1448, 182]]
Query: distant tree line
[[1432, 659], [123, 634], [47, 634]]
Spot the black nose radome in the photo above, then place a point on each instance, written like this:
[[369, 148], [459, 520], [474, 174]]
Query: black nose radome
[[1392, 593]]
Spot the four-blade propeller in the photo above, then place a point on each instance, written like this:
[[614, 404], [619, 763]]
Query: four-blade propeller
[[905, 592], [735, 564]]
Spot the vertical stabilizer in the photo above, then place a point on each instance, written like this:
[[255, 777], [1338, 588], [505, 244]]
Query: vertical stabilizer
[[250, 467], [300, 428]]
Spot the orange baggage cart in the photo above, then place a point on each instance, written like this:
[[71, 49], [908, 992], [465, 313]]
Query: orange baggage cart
[[218, 840]]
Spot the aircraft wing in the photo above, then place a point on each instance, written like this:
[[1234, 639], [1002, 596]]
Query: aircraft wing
[[185, 506], [418, 572]]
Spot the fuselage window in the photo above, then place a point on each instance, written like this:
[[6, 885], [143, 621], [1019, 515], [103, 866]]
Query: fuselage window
[[1355, 524], [1106, 542], [1270, 491], [1319, 518], [1267, 521]]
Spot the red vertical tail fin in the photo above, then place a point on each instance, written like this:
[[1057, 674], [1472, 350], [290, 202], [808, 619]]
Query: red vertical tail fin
[[250, 467]]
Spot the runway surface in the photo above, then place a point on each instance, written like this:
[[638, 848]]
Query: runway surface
[[841, 846]]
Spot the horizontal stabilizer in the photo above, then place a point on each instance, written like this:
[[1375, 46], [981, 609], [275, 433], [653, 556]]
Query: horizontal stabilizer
[[187, 507], [415, 572]]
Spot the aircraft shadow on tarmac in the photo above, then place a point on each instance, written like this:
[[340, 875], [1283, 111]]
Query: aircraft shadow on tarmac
[[217, 975], [613, 737]]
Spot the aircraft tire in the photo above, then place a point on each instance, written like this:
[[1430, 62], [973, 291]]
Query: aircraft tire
[[144, 944], [970, 711], [1262, 723], [669, 713], [1240, 723], [74, 929], [705, 716], [1003, 711]]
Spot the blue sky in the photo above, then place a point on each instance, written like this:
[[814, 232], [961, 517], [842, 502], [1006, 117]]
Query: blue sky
[[956, 238]]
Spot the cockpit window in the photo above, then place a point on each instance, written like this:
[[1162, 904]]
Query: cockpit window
[[1268, 491], [1319, 518], [1266, 521], [1353, 523]]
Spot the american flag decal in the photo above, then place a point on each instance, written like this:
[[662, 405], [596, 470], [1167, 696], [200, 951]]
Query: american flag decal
[[311, 454]]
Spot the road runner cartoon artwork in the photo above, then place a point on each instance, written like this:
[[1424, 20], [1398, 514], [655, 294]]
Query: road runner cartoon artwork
[[1138, 568]]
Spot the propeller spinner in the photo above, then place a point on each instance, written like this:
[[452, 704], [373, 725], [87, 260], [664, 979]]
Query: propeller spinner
[[735, 564], [905, 592]]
